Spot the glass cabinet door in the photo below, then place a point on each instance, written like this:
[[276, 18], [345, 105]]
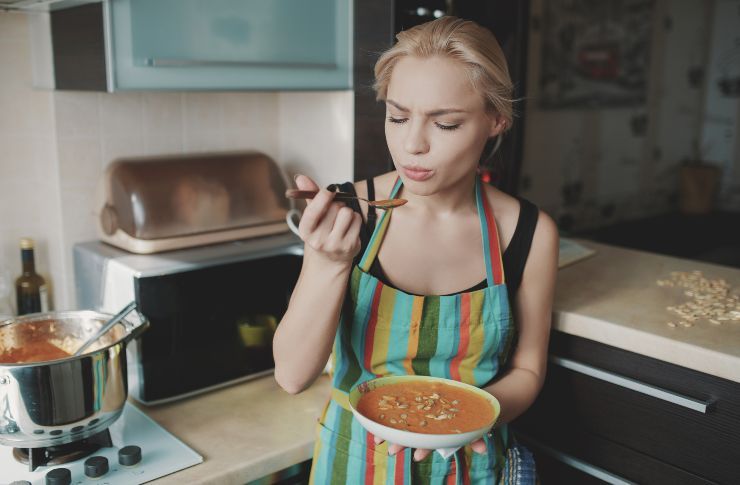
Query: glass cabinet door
[[229, 44]]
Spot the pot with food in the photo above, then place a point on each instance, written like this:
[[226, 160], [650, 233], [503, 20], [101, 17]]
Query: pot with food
[[50, 397]]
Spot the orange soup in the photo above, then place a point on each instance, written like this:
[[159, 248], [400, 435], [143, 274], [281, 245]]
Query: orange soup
[[426, 407], [38, 352]]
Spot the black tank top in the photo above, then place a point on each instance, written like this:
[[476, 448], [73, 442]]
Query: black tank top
[[514, 257]]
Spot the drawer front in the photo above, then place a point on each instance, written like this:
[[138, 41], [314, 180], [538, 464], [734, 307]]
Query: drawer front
[[581, 458], [670, 414]]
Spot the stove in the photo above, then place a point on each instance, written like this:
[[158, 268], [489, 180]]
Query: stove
[[58, 455], [133, 450]]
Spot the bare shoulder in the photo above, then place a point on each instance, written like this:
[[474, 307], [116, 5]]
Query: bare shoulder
[[505, 211], [383, 186], [546, 230], [503, 205], [545, 242]]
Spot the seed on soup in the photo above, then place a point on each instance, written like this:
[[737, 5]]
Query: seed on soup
[[441, 408]]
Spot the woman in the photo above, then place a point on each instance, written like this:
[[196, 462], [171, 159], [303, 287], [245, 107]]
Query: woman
[[461, 286]]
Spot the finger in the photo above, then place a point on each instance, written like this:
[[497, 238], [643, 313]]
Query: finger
[[304, 182], [327, 222], [421, 453], [342, 222], [393, 449], [377, 440], [315, 212], [479, 446], [353, 231]]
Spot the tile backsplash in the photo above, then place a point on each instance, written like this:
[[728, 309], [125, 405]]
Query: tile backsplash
[[56, 146]]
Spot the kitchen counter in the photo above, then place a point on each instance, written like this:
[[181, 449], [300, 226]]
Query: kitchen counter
[[613, 297], [243, 432], [250, 430]]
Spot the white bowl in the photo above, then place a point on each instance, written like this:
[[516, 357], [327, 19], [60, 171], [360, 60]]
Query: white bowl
[[420, 440]]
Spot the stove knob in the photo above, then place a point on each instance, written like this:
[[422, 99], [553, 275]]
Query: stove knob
[[96, 466], [59, 476], [129, 455]]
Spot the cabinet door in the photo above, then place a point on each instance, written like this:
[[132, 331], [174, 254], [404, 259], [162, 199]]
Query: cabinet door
[[639, 418], [229, 44]]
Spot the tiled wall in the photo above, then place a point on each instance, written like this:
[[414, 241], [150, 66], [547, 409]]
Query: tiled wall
[[30, 198], [304, 132]]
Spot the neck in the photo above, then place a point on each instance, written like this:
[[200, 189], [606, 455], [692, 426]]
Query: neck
[[27, 261], [453, 200]]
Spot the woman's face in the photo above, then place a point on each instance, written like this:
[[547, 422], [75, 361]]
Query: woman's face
[[436, 123]]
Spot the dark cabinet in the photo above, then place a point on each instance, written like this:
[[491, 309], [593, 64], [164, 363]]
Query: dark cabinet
[[616, 415], [373, 33]]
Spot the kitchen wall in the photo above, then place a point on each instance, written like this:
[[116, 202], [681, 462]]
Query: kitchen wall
[[592, 166], [56, 146], [30, 194]]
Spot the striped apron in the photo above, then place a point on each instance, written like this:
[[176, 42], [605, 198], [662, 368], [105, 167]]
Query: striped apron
[[384, 331]]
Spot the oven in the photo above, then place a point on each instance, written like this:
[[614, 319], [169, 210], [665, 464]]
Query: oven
[[212, 310]]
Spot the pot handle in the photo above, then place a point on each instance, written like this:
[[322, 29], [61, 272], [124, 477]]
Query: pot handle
[[136, 328]]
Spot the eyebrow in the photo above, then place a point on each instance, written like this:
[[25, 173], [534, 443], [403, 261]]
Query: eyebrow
[[436, 112]]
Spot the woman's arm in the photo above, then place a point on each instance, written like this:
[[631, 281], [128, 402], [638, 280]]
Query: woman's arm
[[304, 337], [518, 387]]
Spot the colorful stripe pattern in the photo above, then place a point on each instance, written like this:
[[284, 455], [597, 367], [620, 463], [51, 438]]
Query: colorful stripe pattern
[[385, 331]]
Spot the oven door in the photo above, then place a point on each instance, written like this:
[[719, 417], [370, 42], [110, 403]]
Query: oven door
[[210, 326]]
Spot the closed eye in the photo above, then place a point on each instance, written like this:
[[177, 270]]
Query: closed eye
[[397, 120], [447, 127]]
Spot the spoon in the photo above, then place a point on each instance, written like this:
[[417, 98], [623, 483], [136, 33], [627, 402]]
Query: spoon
[[106, 326], [310, 194]]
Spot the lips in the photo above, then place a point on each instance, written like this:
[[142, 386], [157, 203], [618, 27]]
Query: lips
[[417, 173]]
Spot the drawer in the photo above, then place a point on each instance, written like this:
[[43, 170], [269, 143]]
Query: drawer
[[658, 414], [583, 459]]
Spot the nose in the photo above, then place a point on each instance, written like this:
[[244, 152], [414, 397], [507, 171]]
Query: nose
[[416, 141]]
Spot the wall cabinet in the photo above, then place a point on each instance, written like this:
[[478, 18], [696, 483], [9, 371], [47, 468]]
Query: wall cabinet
[[620, 417], [206, 45]]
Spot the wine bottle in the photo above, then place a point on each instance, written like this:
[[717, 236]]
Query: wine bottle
[[30, 287]]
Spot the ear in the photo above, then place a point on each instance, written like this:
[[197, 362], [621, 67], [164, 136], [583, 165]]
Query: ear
[[498, 125]]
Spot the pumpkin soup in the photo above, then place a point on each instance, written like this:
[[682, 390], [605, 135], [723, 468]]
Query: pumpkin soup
[[41, 351], [426, 407]]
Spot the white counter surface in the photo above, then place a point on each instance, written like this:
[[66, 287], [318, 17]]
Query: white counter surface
[[613, 298], [243, 432]]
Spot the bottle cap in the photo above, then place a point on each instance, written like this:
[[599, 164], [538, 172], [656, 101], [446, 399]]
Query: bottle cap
[[27, 243]]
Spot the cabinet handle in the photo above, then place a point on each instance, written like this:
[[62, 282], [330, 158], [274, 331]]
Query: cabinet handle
[[641, 387], [574, 462], [163, 62]]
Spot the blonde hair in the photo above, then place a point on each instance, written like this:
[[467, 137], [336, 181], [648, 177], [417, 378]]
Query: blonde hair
[[458, 39]]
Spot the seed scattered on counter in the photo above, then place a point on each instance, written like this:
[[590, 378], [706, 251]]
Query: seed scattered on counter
[[710, 299]]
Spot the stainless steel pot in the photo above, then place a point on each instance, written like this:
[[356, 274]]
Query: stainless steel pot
[[60, 401]]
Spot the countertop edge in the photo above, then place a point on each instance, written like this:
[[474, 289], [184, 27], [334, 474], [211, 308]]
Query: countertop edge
[[267, 465], [650, 345]]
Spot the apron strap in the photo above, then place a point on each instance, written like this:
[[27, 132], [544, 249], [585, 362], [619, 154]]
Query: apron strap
[[489, 233], [373, 246]]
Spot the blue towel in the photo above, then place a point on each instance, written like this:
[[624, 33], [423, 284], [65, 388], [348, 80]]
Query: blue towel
[[519, 468]]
